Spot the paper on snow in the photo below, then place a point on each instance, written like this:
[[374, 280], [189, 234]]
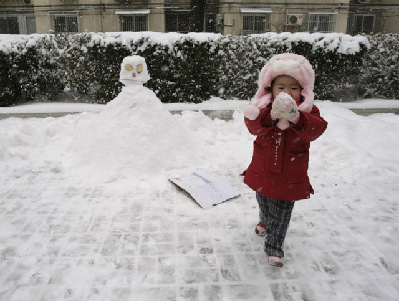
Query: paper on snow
[[205, 188]]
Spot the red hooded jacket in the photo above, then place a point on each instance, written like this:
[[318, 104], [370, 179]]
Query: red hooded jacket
[[279, 167]]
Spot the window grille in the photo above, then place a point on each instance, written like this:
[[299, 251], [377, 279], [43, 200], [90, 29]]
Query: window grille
[[9, 25], [322, 22], [65, 23], [256, 23], [134, 23]]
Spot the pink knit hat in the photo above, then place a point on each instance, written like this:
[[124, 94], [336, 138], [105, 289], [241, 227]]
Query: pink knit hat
[[290, 64]]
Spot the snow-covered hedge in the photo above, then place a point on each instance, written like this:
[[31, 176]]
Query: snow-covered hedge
[[380, 75], [183, 67], [29, 68]]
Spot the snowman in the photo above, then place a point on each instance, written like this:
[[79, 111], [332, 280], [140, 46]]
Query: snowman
[[135, 136], [133, 74]]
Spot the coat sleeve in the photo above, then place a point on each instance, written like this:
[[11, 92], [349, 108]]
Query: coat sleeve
[[310, 126], [261, 125]]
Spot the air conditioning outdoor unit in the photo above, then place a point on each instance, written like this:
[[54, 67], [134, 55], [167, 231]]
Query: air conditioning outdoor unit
[[295, 19]]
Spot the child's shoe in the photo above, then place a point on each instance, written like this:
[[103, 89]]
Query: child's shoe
[[275, 260], [260, 229]]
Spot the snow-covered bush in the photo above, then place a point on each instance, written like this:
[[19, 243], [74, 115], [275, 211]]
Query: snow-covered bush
[[183, 67], [188, 71], [10, 90], [91, 68], [29, 69], [336, 59], [380, 73]]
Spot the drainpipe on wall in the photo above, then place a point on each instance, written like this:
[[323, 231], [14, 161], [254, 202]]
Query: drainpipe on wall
[[100, 15]]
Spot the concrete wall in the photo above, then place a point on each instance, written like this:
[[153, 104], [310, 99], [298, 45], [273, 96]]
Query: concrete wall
[[390, 19], [233, 17], [99, 15]]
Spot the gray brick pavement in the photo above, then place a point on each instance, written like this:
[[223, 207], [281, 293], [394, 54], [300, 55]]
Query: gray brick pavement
[[63, 242]]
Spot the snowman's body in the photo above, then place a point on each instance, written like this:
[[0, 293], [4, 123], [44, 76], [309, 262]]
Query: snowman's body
[[135, 134]]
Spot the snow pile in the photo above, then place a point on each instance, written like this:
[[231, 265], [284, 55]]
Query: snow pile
[[364, 142], [60, 236], [135, 136]]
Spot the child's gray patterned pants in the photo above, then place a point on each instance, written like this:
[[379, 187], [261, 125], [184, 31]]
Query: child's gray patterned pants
[[276, 215]]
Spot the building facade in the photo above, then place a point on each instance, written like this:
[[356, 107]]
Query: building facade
[[236, 17]]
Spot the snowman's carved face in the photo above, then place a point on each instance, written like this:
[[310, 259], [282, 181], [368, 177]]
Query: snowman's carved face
[[133, 71]]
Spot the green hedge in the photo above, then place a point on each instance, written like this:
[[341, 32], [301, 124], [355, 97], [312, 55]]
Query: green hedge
[[183, 68], [380, 72], [29, 69]]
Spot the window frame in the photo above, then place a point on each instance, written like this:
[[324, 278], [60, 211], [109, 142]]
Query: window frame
[[256, 13], [134, 15], [64, 14], [363, 16], [21, 22], [134, 23], [332, 24], [184, 20]]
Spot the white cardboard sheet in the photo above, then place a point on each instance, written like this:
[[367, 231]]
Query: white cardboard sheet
[[205, 188]]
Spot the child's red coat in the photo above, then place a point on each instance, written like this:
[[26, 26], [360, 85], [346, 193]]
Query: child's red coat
[[279, 167]]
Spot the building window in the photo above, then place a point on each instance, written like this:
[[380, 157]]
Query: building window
[[363, 23], [255, 20], [322, 22], [9, 25], [254, 23], [21, 24], [65, 23], [133, 20], [134, 23], [177, 21]]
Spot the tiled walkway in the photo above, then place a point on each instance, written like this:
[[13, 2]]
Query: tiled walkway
[[59, 242]]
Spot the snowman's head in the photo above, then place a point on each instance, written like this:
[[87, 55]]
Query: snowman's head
[[133, 71]]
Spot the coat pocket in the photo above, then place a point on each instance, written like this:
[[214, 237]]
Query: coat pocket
[[258, 163]]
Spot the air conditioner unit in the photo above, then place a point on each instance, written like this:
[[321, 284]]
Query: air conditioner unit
[[295, 19], [363, 1]]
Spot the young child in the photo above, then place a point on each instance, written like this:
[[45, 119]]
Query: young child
[[285, 121]]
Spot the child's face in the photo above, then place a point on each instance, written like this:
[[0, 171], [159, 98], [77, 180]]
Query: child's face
[[287, 84]]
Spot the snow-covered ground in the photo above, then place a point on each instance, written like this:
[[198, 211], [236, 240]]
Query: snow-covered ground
[[72, 229], [215, 103]]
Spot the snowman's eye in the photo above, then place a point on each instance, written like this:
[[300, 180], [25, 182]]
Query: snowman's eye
[[139, 68], [128, 67]]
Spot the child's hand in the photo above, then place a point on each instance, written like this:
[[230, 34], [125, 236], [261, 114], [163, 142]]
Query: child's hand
[[291, 112], [284, 107]]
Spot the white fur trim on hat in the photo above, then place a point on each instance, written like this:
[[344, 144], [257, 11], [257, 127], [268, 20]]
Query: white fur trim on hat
[[294, 65]]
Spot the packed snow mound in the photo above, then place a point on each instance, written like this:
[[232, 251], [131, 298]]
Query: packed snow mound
[[135, 136]]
